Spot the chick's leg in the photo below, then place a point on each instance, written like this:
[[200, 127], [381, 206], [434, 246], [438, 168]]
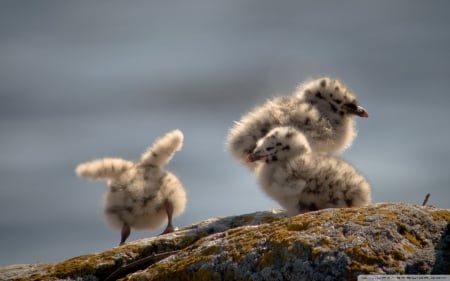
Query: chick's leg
[[125, 233], [169, 211]]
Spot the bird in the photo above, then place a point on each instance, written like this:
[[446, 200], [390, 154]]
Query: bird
[[323, 109], [300, 180], [141, 194]]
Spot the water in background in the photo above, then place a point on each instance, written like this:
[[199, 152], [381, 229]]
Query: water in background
[[82, 80]]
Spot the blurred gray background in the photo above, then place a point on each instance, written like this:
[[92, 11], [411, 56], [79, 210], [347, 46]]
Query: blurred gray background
[[86, 79]]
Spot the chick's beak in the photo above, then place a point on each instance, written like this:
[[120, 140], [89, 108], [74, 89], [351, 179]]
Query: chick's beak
[[361, 112], [253, 157]]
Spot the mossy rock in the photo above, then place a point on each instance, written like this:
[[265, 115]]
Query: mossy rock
[[99, 266], [333, 244]]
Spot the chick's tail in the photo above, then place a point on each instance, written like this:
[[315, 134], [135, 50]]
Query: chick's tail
[[163, 149], [106, 168]]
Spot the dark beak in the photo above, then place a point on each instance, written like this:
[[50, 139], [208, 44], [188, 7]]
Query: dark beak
[[253, 157], [361, 112]]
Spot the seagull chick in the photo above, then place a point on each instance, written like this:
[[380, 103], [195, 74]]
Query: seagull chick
[[323, 109], [300, 180], [140, 195]]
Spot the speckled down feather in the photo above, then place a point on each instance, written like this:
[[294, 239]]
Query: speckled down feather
[[323, 109], [302, 181], [138, 191]]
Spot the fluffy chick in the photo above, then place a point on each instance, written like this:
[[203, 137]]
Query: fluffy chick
[[323, 109], [302, 181], [142, 194]]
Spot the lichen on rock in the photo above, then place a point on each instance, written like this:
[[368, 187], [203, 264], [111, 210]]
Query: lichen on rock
[[332, 244]]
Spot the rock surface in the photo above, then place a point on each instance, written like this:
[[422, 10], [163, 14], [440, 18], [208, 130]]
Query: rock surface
[[333, 244]]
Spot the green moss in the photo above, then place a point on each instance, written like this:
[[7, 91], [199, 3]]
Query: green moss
[[204, 274], [239, 242], [211, 250], [266, 259], [315, 253], [298, 226], [37, 276], [398, 255], [97, 263], [441, 215], [284, 236], [408, 248], [181, 269], [359, 267], [365, 258], [306, 235], [411, 238], [244, 219], [103, 264], [269, 219], [83, 265]]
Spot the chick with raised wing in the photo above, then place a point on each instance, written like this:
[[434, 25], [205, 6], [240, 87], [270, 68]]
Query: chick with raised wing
[[142, 194]]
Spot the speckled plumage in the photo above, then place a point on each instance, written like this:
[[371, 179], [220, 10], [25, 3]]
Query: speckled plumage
[[302, 181], [323, 109], [141, 195]]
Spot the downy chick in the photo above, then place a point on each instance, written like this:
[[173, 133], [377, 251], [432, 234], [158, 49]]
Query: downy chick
[[322, 109], [140, 195], [300, 180]]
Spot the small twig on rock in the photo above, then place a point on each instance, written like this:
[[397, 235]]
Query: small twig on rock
[[426, 199], [139, 264]]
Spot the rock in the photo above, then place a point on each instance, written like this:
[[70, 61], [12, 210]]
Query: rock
[[332, 244]]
